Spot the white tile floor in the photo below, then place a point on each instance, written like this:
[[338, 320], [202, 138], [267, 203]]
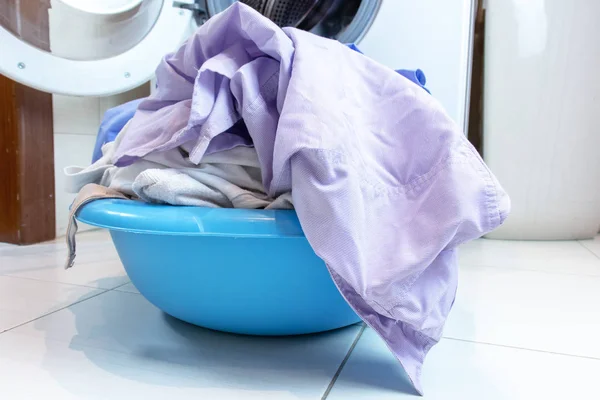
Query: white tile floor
[[525, 325]]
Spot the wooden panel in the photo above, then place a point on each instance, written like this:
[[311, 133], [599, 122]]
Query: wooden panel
[[27, 213], [9, 165], [476, 105]]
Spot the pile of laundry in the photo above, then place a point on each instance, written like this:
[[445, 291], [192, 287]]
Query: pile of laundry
[[228, 175], [385, 185]]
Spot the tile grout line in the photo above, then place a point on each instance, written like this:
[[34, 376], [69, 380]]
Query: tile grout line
[[116, 289], [506, 346], [588, 249], [343, 363], [120, 286], [55, 282], [55, 311]]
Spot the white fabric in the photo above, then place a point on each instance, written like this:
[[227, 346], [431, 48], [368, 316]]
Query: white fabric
[[229, 179]]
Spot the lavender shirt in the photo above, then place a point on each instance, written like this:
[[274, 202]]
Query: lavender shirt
[[385, 185]]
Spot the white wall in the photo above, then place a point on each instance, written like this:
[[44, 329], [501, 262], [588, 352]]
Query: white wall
[[76, 122]]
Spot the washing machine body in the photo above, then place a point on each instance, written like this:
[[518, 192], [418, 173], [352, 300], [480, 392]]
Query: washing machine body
[[91, 48], [433, 35]]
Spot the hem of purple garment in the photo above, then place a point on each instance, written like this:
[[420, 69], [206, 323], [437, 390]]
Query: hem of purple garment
[[415, 345], [494, 203]]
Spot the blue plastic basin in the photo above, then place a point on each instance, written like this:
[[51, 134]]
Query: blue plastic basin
[[241, 271]]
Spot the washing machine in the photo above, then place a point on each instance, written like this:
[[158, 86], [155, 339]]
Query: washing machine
[[99, 48]]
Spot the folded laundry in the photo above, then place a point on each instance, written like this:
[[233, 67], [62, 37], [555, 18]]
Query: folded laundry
[[384, 183], [228, 178]]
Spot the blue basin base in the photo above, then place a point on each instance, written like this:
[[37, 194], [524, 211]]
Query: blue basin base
[[241, 271]]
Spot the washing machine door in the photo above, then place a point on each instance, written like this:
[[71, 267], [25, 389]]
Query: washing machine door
[[88, 47]]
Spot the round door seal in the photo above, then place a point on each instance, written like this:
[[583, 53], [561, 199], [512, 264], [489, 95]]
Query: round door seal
[[44, 71]]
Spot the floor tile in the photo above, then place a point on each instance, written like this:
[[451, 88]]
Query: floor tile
[[456, 370], [97, 263], [117, 344], [550, 312], [568, 257], [592, 245], [128, 287], [22, 300]]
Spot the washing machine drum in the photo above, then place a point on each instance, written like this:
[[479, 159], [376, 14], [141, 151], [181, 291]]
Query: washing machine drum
[[98, 48], [344, 20]]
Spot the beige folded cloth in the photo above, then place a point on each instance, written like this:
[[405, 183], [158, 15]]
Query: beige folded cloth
[[88, 193]]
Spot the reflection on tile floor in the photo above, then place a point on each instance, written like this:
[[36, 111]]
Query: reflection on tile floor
[[524, 326]]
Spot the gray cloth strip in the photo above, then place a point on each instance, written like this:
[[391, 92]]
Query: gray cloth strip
[[88, 193]]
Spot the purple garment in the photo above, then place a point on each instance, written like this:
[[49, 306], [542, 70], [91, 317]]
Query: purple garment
[[235, 136], [114, 120], [385, 184]]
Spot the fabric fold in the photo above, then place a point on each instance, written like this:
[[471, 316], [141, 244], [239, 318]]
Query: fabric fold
[[224, 179]]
